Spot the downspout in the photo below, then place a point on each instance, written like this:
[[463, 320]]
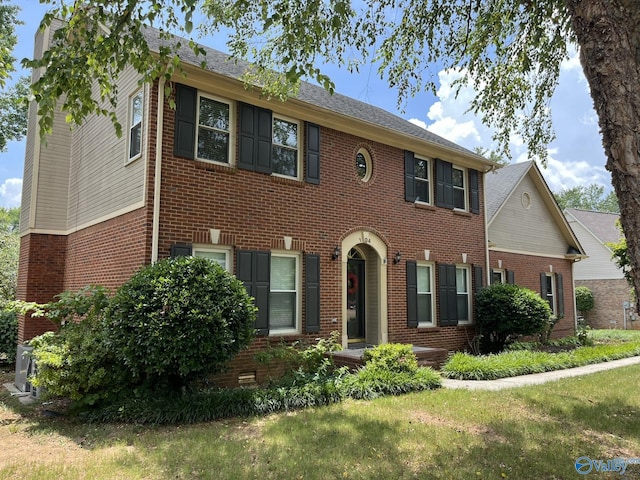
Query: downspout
[[486, 228], [155, 232]]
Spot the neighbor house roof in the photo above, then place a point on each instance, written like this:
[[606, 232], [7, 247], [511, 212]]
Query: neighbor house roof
[[222, 64], [602, 225]]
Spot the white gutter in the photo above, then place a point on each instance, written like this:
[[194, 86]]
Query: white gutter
[[486, 228], [155, 232]]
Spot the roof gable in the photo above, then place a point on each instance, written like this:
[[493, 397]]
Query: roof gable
[[601, 225], [522, 213]]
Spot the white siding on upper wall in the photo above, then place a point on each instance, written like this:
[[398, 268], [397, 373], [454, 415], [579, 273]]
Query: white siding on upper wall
[[531, 230], [599, 265], [102, 182]]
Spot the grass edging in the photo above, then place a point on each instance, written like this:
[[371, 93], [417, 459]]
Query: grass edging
[[463, 366]]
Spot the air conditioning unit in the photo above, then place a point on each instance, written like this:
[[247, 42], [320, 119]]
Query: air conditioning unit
[[24, 368]]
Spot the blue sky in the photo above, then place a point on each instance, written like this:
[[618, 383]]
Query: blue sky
[[576, 157]]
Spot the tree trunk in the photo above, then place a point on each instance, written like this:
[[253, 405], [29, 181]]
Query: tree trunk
[[608, 32]]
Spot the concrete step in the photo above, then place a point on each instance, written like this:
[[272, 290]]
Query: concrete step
[[427, 357]]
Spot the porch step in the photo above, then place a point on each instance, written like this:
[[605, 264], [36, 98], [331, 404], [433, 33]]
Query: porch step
[[427, 357]]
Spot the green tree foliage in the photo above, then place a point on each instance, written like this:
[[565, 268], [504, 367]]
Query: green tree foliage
[[9, 253], [620, 255], [584, 299], [8, 39], [178, 320], [8, 335], [13, 112], [591, 197], [508, 311], [13, 102]]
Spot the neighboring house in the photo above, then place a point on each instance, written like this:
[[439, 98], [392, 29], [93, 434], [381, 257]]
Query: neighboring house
[[599, 272], [337, 215], [530, 242]]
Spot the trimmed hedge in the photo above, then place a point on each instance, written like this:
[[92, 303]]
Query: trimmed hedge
[[462, 366]]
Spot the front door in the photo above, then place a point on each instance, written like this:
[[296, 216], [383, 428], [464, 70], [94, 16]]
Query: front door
[[355, 297]]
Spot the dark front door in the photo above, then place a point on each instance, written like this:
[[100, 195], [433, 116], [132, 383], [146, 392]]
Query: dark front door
[[355, 297]]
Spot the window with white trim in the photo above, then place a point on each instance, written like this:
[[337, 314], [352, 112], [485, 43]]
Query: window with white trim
[[422, 180], [214, 120], [424, 274], [221, 256], [285, 149], [550, 293], [459, 188], [462, 294], [497, 276], [136, 113], [284, 296]]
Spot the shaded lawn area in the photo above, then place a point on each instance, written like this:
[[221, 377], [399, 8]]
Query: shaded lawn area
[[528, 433]]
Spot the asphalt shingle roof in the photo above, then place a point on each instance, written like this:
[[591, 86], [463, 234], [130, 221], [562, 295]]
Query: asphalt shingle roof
[[500, 183], [601, 224], [223, 64]]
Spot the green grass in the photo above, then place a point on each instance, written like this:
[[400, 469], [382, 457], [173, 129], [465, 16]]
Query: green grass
[[608, 345], [528, 433]]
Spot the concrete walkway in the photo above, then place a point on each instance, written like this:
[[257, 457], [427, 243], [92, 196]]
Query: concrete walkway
[[537, 378]]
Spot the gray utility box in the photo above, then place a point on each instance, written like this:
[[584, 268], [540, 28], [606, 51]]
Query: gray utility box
[[24, 367]]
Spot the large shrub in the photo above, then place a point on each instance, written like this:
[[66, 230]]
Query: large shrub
[[507, 311], [179, 319], [8, 335], [77, 361], [584, 300]]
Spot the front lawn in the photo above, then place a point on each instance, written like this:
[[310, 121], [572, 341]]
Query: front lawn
[[533, 432], [607, 345]]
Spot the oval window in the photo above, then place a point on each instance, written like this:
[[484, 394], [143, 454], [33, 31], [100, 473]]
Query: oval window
[[363, 165]]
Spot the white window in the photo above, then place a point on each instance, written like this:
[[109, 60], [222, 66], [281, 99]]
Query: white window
[[219, 255], [550, 294], [459, 188], [462, 294], [284, 297], [136, 112], [214, 141], [285, 149], [497, 276], [425, 294], [422, 180]]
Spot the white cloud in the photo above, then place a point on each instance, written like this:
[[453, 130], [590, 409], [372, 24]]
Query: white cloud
[[11, 192], [575, 158]]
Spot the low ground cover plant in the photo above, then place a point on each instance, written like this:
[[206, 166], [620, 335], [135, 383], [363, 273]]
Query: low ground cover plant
[[525, 361]]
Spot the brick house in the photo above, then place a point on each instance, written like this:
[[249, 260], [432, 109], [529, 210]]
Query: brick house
[[337, 215], [599, 272], [530, 242]]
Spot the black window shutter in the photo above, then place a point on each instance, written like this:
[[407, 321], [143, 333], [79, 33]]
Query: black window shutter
[[184, 140], [412, 294], [312, 297], [474, 189], [543, 285], [511, 277], [409, 176], [247, 143], [262, 288], [560, 295], [253, 269], [444, 184], [313, 154], [180, 250], [264, 130], [478, 278], [448, 295]]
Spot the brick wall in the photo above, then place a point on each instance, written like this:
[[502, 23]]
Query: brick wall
[[254, 211], [527, 269], [609, 295], [104, 254]]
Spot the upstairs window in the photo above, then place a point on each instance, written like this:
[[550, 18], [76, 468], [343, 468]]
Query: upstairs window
[[214, 135], [135, 125], [459, 189], [284, 149], [421, 179]]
